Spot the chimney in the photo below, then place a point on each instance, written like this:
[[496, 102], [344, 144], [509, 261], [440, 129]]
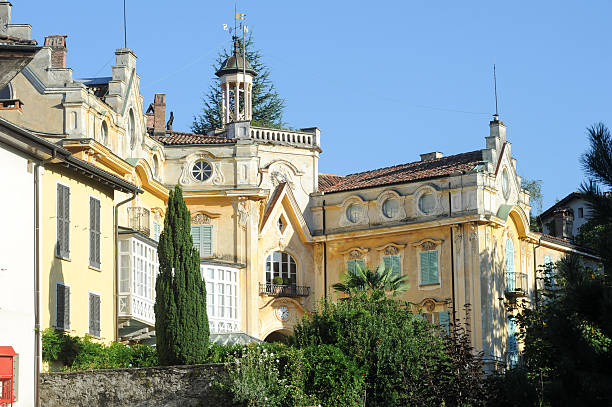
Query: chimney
[[431, 156], [57, 43], [5, 16], [159, 112], [563, 223], [497, 129]]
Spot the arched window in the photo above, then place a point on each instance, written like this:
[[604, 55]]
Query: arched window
[[281, 264], [155, 167], [510, 277], [131, 130], [104, 133]]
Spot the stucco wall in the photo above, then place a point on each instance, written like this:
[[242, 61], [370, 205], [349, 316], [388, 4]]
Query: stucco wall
[[180, 386], [76, 271], [17, 268]]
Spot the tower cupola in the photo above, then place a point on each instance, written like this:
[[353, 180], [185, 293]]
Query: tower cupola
[[236, 76]]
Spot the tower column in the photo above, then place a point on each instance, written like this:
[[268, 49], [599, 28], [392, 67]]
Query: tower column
[[223, 104], [237, 102], [227, 102]]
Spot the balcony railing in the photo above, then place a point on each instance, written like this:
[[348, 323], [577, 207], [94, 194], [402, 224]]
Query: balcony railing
[[135, 306], [516, 284], [139, 220], [278, 290]]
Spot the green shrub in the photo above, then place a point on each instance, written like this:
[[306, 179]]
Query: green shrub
[[332, 377]]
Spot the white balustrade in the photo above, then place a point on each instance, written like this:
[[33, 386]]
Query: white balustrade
[[298, 138]]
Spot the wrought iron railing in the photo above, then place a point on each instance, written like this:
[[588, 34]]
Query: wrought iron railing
[[139, 220], [281, 290], [516, 284]]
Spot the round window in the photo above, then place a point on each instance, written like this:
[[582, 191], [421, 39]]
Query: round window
[[505, 183], [391, 208], [201, 170], [353, 213], [427, 203]]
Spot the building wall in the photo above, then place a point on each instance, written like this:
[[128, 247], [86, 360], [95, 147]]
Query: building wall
[[76, 272], [17, 268]]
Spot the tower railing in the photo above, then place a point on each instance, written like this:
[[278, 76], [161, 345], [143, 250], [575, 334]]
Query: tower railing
[[292, 137]]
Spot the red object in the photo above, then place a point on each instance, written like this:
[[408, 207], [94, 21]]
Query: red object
[[7, 356]]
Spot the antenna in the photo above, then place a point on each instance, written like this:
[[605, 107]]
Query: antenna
[[124, 27], [496, 116]]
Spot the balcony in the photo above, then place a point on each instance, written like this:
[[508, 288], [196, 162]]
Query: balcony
[[516, 285], [139, 220], [277, 290], [137, 307]]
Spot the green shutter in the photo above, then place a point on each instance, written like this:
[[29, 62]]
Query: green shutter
[[195, 236], [351, 265], [206, 241], [445, 321], [63, 221], [94, 232], [156, 231], [66, 248], [429, 267], [395, 264]]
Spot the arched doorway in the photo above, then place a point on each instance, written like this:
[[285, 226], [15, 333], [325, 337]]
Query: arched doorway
[[278, 336]]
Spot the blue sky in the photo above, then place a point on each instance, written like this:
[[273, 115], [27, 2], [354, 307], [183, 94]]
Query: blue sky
[[385, 81]]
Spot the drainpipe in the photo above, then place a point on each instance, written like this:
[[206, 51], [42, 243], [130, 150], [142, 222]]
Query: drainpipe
[[116, 281], [37, 345], [452, 254], [535, 271], [324, 255]]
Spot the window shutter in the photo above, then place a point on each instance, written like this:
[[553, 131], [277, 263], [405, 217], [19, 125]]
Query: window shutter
[[510, 282], [60, 220], [395, 264], [66, 248], [195, 236], [429, 267], [98, 233], [206, 240], [350, 266], [59, 306], [94, 315], [67, 308], [433, 255], [445, 321], [156, 231], [92, 234]]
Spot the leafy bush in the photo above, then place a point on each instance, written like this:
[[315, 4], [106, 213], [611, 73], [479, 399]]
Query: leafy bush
[[399, 351], [332, 377], [77, 353]]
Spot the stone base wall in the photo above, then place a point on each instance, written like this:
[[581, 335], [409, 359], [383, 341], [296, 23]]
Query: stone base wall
[[170, 386]]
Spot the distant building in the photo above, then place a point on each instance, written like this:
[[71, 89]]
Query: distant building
[[565, 218]]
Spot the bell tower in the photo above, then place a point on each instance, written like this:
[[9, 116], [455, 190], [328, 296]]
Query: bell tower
[[236, 76]]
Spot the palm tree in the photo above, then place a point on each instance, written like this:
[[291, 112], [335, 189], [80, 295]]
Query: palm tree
[[362, 280], [597, 163]]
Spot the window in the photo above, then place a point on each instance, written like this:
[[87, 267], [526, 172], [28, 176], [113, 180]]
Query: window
[[131, 130], [351, 265], [202, 239], [94, 315], [549, 278], [581, 212], [280, 224], [281, 264], [510, 277], [62, 307], [512, 344], [441, 318], [6, 93], [394, 263], [156, 230], [201, 170], [155, 167], [429, 267], [505, 183], [391, 208], [63, 221], [103, 133], [427, 203], [221, 298], [354, 213], [94, 232]]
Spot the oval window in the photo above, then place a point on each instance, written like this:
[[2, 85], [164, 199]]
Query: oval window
[[427, 203], [201, 170], [391, 208], [131, 130], [505, 183], [104, 133], [155, 166], [353, 213]]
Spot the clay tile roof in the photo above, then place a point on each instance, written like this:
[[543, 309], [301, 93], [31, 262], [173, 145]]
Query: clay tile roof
[[328, 180], [401, 173], [176, 138], [10, 40]]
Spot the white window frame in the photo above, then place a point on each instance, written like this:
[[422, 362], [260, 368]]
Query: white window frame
[[222, 297]]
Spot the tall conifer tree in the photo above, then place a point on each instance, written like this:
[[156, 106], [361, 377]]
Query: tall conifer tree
[[181, 322], [268, 106]]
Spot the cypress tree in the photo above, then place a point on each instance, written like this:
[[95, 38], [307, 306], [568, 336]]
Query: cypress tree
[[181, 322]]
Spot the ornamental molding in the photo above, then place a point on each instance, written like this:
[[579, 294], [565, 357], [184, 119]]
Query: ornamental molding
[[428, 243], [279, 172], [355, 253], [187, 178], [159, 213], [203, 217], [383, 197], [430, 304], [241, 207], [361, 207], [391, 249]]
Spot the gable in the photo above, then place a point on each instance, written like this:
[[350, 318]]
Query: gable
[[283, 203]]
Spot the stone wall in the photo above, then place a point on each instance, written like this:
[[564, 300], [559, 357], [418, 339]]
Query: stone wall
[[171, 386]]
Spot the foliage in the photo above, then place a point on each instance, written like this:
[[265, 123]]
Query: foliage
[[181, 322], [268, 376], [534, 187], [77, 353], [568, 336], [382, 279], [268, 106], [332, 377], [591, 234], [398, 350], [513, 388]]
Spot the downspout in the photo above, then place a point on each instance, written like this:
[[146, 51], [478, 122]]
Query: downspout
[[452, 255], [324, 255], [535, 271], [116, 281], [37, 345]]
